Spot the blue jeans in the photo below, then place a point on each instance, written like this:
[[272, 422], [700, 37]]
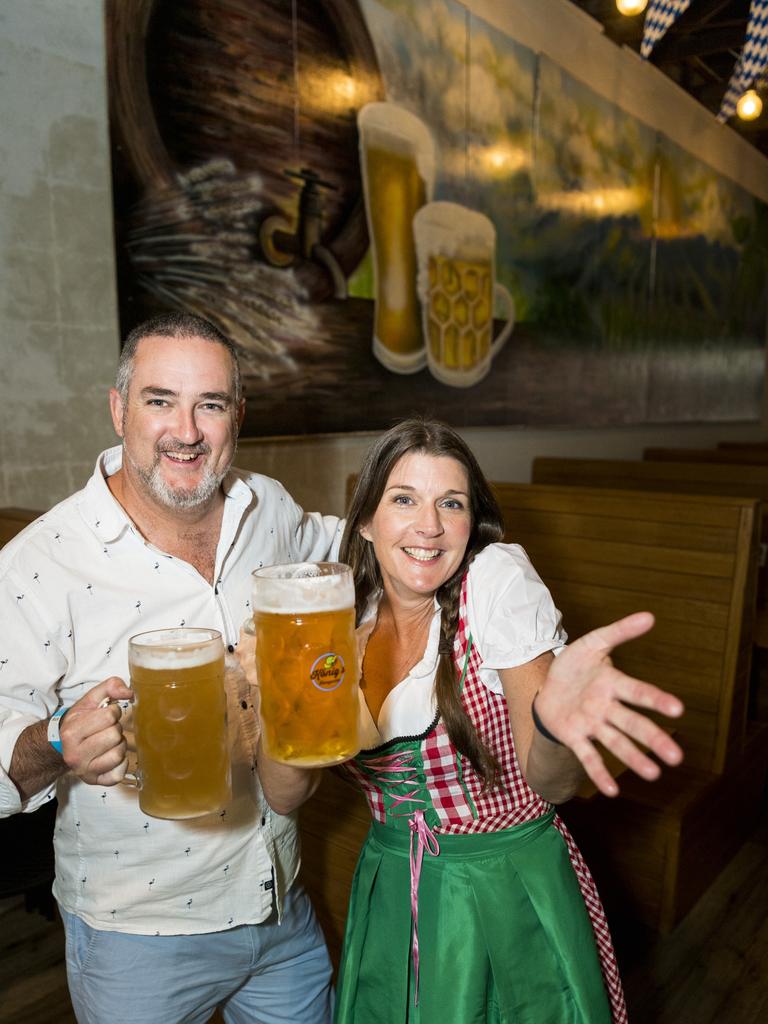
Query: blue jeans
[[257, 974]]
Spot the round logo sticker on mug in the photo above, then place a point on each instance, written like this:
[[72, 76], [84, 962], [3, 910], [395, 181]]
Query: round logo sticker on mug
[[327, 671]]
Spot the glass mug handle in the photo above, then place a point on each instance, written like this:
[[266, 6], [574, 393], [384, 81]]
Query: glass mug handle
[[503, 296], [130, 778]]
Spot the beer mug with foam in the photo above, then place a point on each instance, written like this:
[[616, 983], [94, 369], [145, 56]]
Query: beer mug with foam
[[306, 662], [397, 160], [180, 722], [456, 252]]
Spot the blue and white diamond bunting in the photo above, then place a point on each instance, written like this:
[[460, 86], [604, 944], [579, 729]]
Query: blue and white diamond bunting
[[659, 16], [752, 61]]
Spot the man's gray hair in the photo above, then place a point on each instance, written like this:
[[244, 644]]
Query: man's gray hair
[[173, 325]]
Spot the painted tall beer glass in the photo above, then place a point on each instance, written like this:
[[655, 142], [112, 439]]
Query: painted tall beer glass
[[456, 250], [397, 159], [306, 661], [180, 721]]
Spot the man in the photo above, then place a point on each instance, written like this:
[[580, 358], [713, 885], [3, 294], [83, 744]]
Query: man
[[165, 920]]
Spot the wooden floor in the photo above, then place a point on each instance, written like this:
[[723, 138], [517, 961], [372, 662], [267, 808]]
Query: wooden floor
[[710, 970]]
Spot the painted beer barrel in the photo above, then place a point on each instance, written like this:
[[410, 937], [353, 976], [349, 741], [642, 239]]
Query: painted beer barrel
[[215, 106]]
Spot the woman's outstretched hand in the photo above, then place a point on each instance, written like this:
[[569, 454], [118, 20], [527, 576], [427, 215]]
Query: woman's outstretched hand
[[586, 698]]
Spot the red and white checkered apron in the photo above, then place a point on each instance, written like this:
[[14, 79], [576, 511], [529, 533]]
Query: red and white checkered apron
[[462, 807]]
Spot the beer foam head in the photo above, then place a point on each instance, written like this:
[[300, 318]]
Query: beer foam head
[[452, 231], [303, 587], [175, 648], [393, 128]]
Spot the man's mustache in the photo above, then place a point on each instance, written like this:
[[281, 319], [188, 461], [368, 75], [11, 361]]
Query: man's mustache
[[179, 448]]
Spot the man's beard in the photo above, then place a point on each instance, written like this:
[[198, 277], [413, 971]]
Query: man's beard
[[179, 498]]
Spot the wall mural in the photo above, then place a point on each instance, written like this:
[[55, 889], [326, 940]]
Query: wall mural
[[393, 207]]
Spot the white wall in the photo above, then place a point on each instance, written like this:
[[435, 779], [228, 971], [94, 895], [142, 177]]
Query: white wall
[[58, 323], [57, 299]]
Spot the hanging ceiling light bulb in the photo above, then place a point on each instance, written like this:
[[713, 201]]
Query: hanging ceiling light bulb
[[749, 106], [631, 7]]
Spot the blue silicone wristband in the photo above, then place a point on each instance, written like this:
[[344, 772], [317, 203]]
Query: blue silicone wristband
[[54, 724]]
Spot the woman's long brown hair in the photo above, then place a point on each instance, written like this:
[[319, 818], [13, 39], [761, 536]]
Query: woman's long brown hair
[[430, 437]]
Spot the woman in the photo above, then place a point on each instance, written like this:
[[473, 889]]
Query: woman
[[470, 901]]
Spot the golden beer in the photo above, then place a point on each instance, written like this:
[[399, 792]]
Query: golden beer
[[458, 313], [456, 253], [397, 162], [180, 720], [306, 661]]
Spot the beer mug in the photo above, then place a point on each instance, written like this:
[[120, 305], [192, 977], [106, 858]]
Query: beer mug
[[180, 722], [456, 251], [306, 661], [397, 161]]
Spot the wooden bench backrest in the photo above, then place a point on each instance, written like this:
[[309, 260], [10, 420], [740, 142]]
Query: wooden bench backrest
[[744, 446], [13, 521], [749, 481], [752, 456], [688, 559]]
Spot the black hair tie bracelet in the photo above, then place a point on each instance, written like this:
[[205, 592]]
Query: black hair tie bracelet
[[541, 727]]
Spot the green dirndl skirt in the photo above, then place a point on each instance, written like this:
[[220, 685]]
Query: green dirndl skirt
[[504, 934]]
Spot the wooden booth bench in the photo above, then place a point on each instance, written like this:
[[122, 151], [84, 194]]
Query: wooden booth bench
[[746, 455], [690, 559], [696, 477]]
